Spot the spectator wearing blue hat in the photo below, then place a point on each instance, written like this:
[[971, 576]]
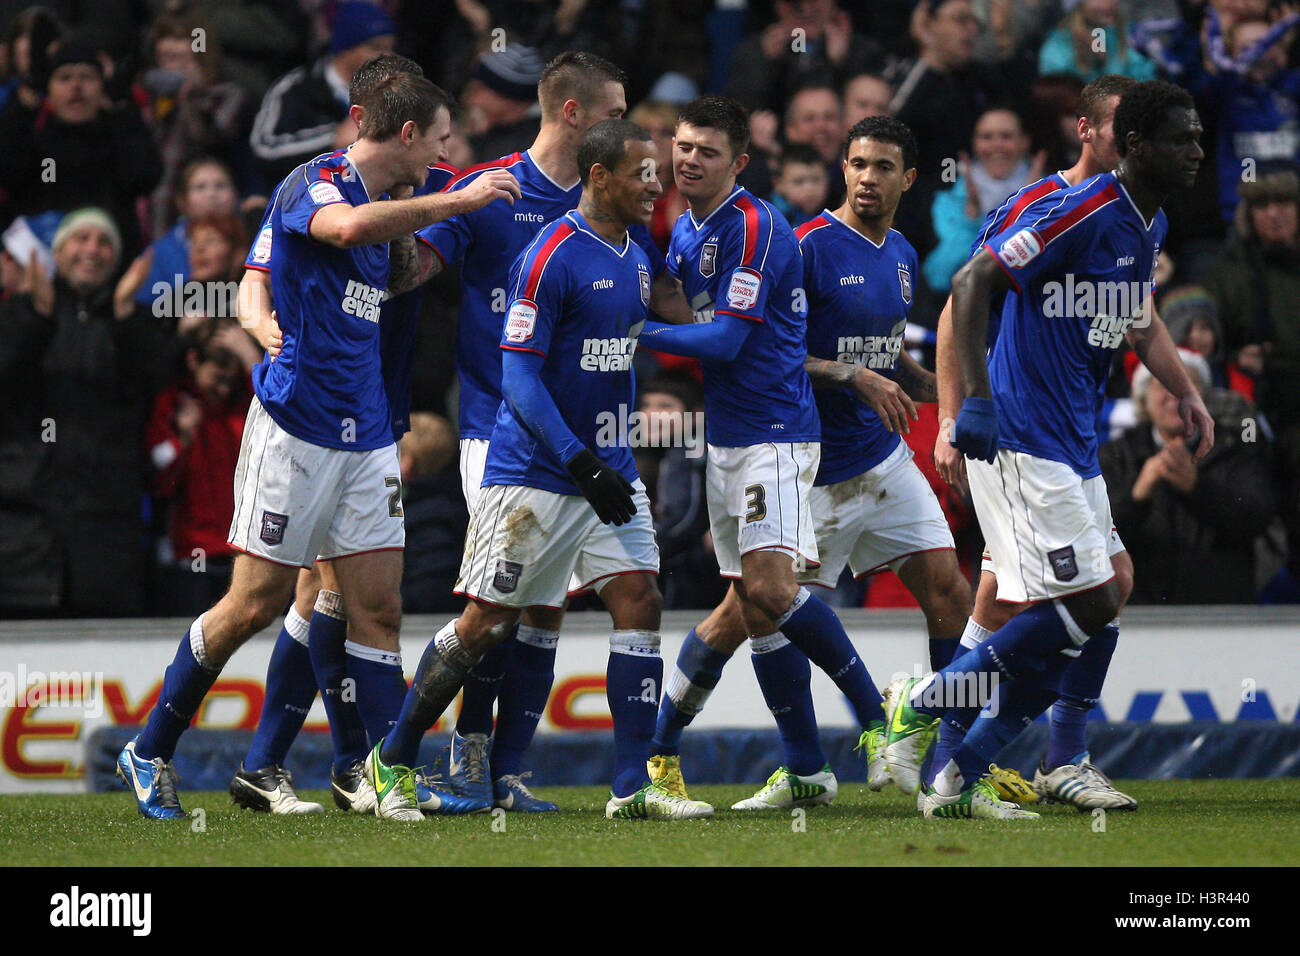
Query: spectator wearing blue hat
[[302, 111]]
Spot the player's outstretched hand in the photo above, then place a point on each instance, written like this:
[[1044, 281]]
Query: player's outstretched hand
[[489, 186], [887, 398], [975, 433], [1197, 421], [948, 461], [609, 492]]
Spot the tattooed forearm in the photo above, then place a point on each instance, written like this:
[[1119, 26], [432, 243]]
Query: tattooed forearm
[[827, 374], [919, 384], [403, 265]]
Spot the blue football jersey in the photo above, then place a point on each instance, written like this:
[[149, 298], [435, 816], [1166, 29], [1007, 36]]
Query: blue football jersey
[[859, 295], [1082, 265], [398, 317], [327, 385], [743, 260], [581, 303], [1004, 217], [486, 242]]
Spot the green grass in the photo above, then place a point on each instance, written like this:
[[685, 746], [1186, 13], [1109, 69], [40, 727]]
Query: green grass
[[1181, 823]]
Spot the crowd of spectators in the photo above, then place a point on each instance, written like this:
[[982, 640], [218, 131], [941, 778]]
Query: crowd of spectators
[[142, 138]]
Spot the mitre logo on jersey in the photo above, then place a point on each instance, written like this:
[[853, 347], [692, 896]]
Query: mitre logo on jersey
[[262, 248], [643, 277], [323, 192], [607, 355], [872, 351], [1021, 248], [742, 292], [362, 301], [521, 321], [905, 283], [708, 258]]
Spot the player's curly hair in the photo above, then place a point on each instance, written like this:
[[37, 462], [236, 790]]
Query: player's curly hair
[[1144, 107], [885, 129]]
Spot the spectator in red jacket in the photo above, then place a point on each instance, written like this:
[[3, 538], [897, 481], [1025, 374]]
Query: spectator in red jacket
[[193, 441]]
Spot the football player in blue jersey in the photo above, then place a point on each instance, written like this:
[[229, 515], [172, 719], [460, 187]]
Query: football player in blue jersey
[[559, 502], [576, 91], [1077, 271], [1066, 773], [741, 271], [318, 471], [312, 649]]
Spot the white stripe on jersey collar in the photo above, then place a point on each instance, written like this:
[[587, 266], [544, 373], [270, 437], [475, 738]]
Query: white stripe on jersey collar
[[700, 225], [580, 222], [1141, 217], [532, 162], [867, 239]]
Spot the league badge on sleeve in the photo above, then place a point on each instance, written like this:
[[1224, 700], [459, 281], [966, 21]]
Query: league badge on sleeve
[[905, 284], [708, 259], [262, 248], [322, 193], [742, 293], [521, 321], [1021, 248]]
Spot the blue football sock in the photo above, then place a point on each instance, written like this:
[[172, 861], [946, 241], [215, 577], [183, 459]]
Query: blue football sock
[[1018, 705], [530, 671], [479, 694], [785, 676], [812, 626], [438, 678], [1080, 692], [185, 683], [1023, 644], [946, 744], [380, 686], [632, 680], [688, 687], [290, 690], [325, 640], [941, 651]]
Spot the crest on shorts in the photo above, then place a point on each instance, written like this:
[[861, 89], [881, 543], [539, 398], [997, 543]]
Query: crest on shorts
[[1063, 564], [708, 258], [905, 284], [507, 576], [273, 526]]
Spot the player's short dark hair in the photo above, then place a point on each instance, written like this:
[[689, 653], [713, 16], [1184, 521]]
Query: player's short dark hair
[[801, 153], [721, 113], [394, 100], [885, 129], [1095, 97], [1145, 107], [606, 143], [378, 68], [575, 75]]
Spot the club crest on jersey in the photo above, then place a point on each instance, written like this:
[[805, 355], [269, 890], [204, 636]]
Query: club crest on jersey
[[742, 293], [273, 526], [905, 284], [644, 278], [323, 192], [521, 321], [506, 578], [1064, 566], [1021, 248], [708, 259]]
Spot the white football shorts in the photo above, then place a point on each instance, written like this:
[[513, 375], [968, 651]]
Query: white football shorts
[[760, 499]]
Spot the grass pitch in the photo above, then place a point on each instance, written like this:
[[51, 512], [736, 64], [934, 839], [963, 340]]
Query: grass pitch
[[1180, 823]]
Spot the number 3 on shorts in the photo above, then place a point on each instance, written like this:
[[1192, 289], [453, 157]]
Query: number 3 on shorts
[[756, 502], [395, 499]]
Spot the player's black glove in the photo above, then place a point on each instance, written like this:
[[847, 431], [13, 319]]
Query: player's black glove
[[607, 490]]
